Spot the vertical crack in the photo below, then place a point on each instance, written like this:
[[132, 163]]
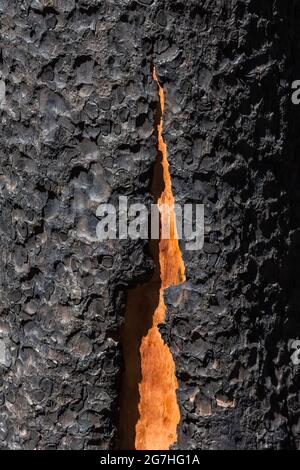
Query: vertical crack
[[149, 412]]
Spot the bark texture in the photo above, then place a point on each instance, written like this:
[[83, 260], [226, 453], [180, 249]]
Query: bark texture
[[77, 109]]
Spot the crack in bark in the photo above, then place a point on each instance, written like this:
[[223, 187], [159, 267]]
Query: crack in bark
[[149, 410]]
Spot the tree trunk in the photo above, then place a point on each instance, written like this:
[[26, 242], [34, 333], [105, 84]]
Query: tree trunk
[[78, 107]]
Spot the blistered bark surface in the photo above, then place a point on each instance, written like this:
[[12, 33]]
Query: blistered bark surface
[[77, 107]]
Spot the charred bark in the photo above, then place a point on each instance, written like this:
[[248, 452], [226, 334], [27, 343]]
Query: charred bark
[[78, 107]]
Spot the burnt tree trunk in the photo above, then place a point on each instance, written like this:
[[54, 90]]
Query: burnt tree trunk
[[78, 107]]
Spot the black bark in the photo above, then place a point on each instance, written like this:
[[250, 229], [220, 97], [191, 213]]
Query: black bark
[[77, 107]]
